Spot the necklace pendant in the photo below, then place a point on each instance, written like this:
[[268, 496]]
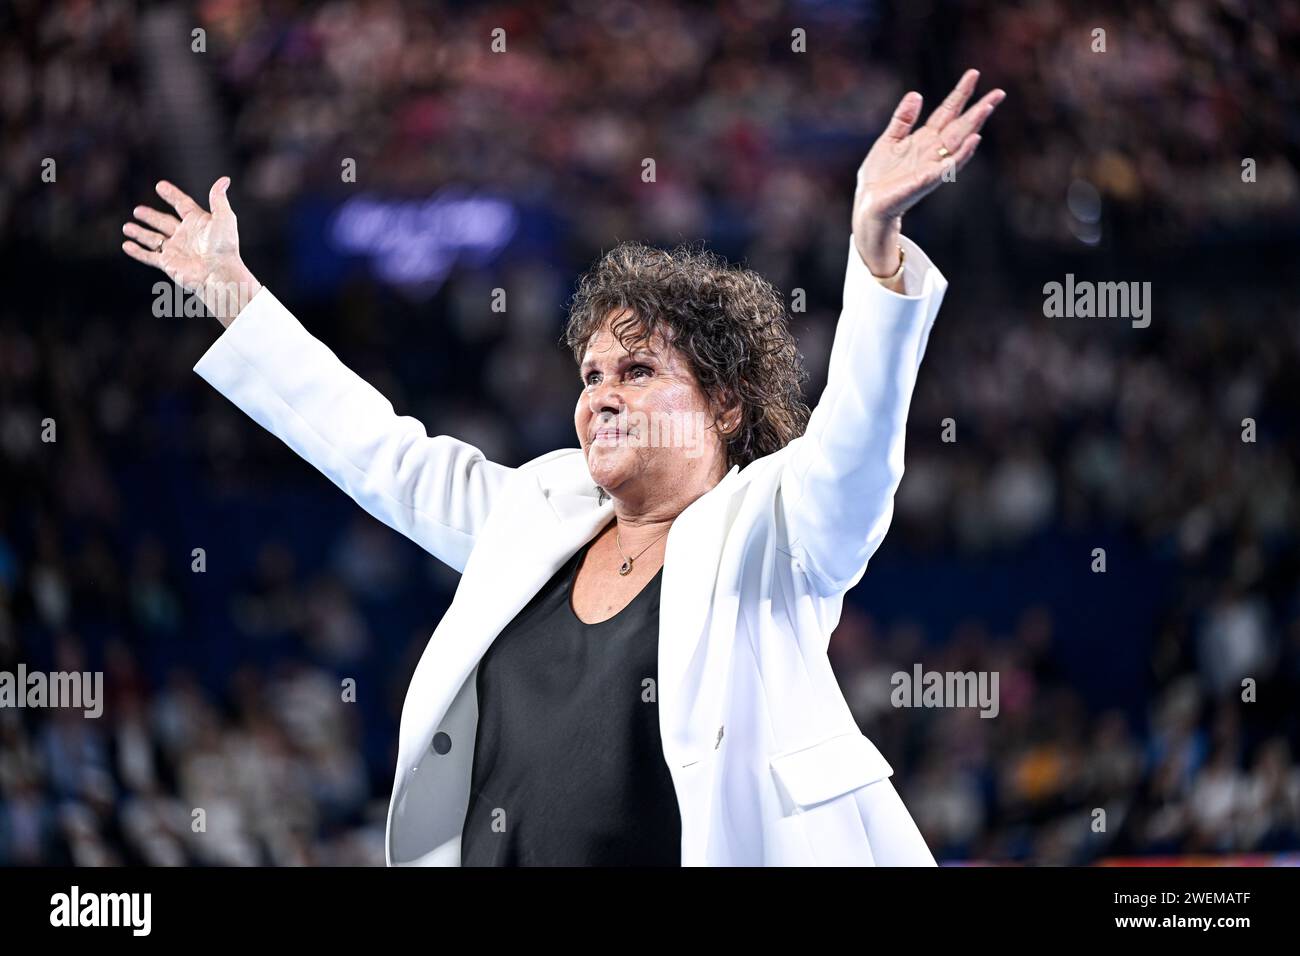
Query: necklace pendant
[[626, 569]]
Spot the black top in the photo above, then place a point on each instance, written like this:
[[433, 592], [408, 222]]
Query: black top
[[568, 762]]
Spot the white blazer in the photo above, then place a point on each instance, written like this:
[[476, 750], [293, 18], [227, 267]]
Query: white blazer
[[766, 759]]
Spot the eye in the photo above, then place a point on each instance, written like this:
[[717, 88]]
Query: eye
[[632, 372], [591, 378]]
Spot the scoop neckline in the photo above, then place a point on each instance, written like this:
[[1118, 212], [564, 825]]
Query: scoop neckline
[[573, 576]]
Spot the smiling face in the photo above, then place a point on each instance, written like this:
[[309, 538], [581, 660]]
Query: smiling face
[[645, 425]]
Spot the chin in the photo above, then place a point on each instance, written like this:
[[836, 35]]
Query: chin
[[608, 470]]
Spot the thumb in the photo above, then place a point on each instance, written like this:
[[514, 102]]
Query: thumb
[[217, 200]]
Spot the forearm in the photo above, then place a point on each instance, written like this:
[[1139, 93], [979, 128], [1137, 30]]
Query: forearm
[[840, 480], [435, 490]]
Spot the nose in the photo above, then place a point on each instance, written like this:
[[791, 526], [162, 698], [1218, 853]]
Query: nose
[[605, 398]]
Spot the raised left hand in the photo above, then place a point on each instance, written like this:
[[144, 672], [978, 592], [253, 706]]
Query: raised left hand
[[905, 165]]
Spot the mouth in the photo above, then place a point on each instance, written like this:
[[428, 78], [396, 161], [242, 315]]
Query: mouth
[[607, 434]]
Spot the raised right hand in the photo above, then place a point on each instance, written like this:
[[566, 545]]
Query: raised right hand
[[200, 250], [907, 163]]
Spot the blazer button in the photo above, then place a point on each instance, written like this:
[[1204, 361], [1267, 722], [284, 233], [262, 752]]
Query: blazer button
[[441, 743]]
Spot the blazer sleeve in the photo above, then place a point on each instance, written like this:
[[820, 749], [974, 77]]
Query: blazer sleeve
[[435, 490], [839, 478]]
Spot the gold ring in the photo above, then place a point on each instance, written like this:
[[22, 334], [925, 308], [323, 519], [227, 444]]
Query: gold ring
[[943, 152]]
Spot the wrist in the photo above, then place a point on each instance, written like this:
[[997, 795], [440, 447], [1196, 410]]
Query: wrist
[[893, 281], [879, 246], [228, 292]]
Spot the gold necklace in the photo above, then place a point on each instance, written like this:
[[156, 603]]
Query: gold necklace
[[626, 567]]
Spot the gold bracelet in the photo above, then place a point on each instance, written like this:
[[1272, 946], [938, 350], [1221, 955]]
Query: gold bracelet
[[897, 272]]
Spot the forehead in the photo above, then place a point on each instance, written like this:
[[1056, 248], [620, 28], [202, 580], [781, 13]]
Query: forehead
[[605, 344]]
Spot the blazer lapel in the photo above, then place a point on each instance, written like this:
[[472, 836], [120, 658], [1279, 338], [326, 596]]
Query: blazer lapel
[[526, 539], [521, 545], [691, 561]]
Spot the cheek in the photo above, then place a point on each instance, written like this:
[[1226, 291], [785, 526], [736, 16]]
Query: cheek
[[679, 432], [676, 399], [581, 418], [689, 408]]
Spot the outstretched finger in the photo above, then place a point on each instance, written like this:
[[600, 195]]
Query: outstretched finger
[[905, 116], [140, 254], [160, 221], [145, 237], [972, 120], [953, 103], [965, 151], [177, 199], [218, 202]]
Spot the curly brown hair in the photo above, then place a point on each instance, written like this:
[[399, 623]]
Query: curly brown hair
[[728, 322]]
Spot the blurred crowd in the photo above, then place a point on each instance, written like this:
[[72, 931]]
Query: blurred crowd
[[1053, 780], [228, 736], [1147, 110], [1145, 125]]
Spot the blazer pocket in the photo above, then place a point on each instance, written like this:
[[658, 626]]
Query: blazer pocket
[[827, 769]]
